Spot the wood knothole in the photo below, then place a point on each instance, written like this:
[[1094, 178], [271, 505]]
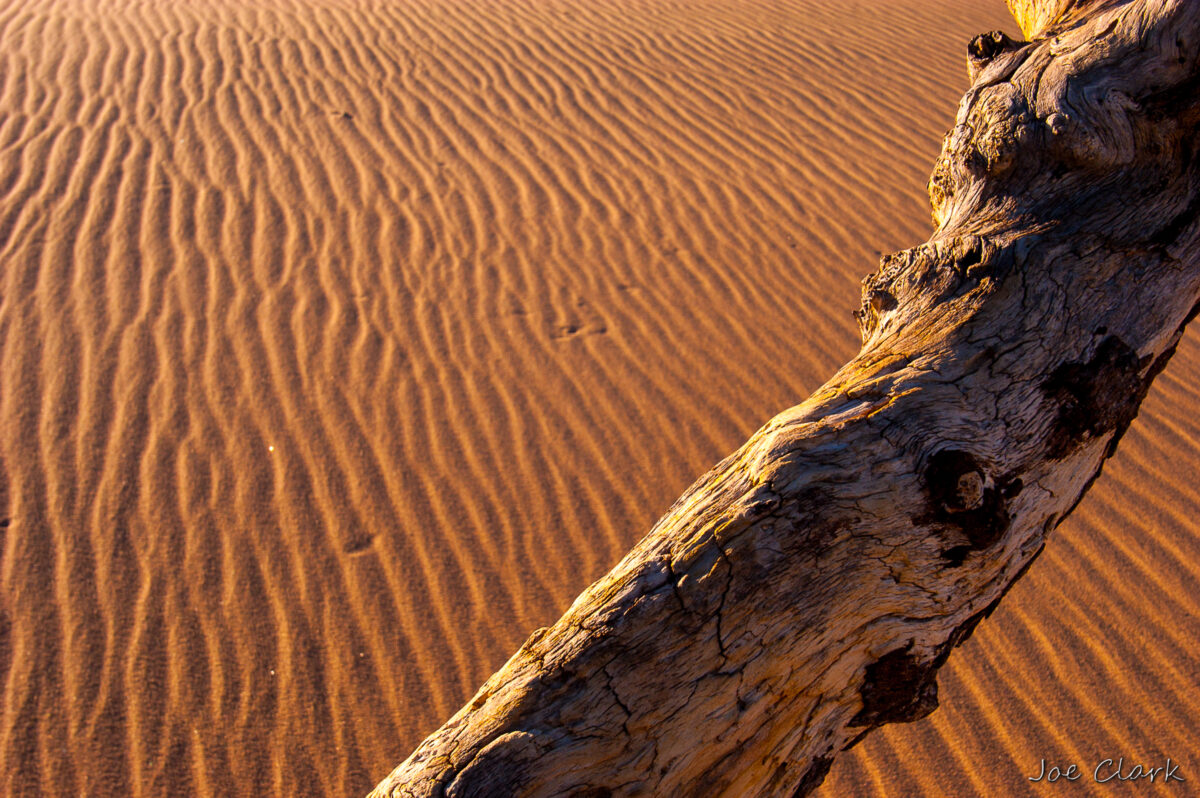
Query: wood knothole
[[982, 49], [963, 495]]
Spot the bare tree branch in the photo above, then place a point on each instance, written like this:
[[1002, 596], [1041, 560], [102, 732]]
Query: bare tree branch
[[807, 589]]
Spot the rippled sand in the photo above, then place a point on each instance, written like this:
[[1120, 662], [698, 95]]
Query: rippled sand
[[344, 343]]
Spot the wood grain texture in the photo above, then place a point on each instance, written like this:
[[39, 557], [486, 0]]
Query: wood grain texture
[[807, 589]]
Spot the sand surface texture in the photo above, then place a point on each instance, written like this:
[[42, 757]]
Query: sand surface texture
[[344, 343]]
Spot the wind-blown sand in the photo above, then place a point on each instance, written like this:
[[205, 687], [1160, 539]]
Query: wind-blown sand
[[344, 343]]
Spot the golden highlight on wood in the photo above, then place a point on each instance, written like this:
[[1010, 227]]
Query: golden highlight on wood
[[1036, 17]]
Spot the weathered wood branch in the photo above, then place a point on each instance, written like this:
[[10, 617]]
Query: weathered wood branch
[[807, 589]]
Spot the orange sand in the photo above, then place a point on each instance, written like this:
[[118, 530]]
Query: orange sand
[[343, 343]]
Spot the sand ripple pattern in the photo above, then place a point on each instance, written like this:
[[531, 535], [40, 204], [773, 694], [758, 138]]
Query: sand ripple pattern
[[342, 343]]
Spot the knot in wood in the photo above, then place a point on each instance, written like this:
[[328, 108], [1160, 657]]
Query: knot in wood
[[881, 301], [956, 480], [963, 496], [1001, 124], [984, 48], [968, 493], [994, 129], [987, 46], [879, 293]]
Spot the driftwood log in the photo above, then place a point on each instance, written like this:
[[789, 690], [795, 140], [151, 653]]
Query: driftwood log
[[807, 589]]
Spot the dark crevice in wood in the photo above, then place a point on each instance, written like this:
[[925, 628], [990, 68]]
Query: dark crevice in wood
[[1094, 397], [986, 46], [899, 688], [813, 777]]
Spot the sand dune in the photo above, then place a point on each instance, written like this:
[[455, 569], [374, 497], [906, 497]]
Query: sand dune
[[343, 343]]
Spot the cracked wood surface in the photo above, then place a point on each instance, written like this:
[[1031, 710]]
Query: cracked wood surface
[[807, 588]]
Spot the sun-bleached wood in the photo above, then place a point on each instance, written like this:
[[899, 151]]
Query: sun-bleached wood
[[807, 588]]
